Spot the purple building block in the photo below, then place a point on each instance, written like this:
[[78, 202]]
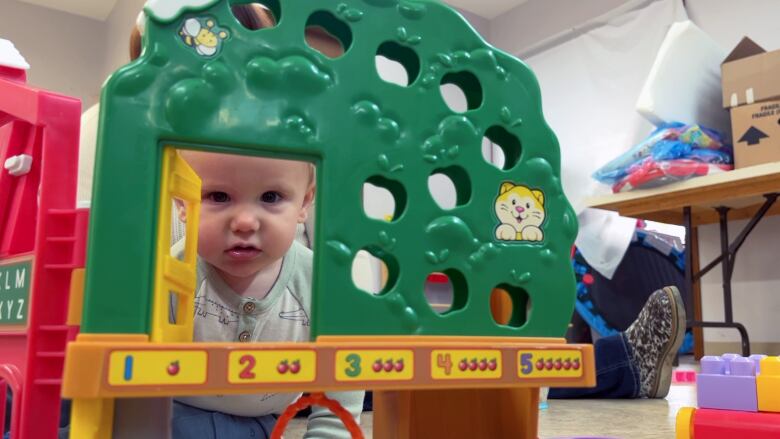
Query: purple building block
[[728, 382]]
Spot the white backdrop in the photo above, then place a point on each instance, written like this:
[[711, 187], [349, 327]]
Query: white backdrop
[[590, 85]]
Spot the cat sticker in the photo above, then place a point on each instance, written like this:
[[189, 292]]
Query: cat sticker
[[203, 35], [520, 211]]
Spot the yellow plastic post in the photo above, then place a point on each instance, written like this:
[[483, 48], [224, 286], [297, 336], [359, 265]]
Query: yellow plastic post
[[92, 418], [173, 276], [685, 423]]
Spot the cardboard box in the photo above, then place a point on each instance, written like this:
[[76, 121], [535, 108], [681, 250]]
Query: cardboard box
[[756, 131], [751, 89]]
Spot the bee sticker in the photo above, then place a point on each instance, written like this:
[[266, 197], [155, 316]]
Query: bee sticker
[[203, 35]]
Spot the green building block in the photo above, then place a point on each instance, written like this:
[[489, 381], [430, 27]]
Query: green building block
[[206, 82]]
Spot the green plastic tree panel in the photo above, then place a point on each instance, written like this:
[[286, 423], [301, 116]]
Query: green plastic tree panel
[[204, 81]]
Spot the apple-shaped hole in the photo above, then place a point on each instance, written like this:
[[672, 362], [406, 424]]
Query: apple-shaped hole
[[461, 91], [446, 291], [510, 305], [383, 199], [450, 187], [374, 271], [327, 34], [257, 15], [501, 148], [397, 64]]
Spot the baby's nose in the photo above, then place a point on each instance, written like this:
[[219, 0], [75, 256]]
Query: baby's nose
[[520, 209], [245, 221]]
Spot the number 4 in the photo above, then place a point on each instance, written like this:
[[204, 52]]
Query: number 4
[[445, 362]]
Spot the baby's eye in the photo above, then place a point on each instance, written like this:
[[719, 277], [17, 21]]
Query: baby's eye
[[271, 197], [218, 197], [514, 202], [527, 205]]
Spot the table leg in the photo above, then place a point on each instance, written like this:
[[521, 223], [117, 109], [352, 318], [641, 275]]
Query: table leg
[[727, 258]]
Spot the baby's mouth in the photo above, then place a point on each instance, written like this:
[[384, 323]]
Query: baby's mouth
[[243, 251]]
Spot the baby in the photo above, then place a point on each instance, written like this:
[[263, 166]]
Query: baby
[[253, 284]]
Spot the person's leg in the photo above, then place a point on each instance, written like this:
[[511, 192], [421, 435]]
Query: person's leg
[[638, 362], [616, 374], [191, 422]]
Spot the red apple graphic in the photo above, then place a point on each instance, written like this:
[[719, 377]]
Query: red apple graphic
[[558, 364], [540, 364], [483, 364], [473, 365], [463, 365], [399, 365], [548, 364], [173, 368], [576, 364], [295, 367], [283, 367], [567, 364], [389, 365], [377, 366], [492, 364]]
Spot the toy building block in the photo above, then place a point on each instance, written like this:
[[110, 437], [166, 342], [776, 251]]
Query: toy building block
[[727, 424], [728, 383], [768, 385], [684, 377]]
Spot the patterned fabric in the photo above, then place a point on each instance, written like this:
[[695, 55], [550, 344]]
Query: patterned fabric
[[654, 338]]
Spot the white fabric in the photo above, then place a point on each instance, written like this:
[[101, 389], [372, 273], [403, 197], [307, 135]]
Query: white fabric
[[684, 83], [604, 238], [10, 56], [590, 85], [168, 10]]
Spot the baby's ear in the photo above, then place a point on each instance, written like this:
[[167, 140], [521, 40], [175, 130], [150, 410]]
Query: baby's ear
[[181, 209], [308, 200]]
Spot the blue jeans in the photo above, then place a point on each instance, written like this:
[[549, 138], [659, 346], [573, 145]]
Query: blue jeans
[[193, 423], [616, 375]]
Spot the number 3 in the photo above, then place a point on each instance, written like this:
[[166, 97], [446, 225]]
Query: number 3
[[354, 365]]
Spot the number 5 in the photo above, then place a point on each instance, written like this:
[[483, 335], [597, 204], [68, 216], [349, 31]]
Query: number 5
[[526, 363]]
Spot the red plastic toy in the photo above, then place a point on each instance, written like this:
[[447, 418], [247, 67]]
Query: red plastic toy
[[42, 240]]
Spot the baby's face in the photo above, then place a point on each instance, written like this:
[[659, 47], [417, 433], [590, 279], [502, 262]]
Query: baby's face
[[250, 209]]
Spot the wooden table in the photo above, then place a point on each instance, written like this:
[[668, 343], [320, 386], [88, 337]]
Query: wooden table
[[748, 193]]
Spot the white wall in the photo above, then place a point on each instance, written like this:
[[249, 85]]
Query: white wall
[[537, 20], [65, 51], [119, 25], [756, 277], [481, 25]]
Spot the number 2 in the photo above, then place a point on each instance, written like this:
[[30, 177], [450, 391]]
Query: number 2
[[250, 362], [354, 365]]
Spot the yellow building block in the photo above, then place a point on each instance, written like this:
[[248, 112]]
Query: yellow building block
[[768, 385]]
